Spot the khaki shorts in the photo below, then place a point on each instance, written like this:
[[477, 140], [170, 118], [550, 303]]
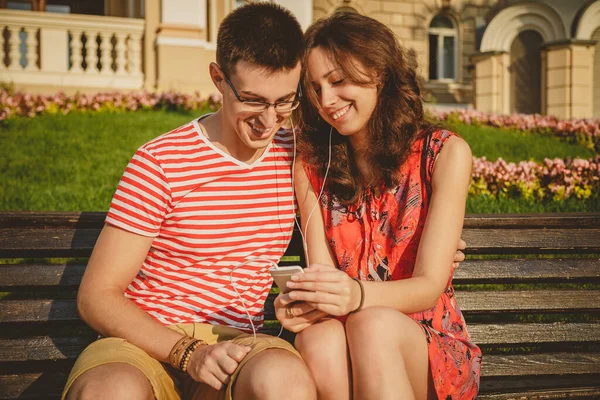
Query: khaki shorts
[[168, 383]]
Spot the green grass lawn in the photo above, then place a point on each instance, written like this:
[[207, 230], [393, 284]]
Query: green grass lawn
[[74, 162], [515, 146]]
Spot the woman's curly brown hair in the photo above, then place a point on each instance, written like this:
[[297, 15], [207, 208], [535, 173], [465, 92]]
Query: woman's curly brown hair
[[397, 120]]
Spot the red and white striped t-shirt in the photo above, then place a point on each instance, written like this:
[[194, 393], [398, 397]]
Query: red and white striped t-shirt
[[208, 212]]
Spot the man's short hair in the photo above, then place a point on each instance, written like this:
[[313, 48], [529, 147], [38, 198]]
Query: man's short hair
[[264, 34]]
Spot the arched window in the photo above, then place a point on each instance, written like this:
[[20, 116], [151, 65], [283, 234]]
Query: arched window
[[442, 48]]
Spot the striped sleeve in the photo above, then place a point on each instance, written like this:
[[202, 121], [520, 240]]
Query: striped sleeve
[[140, 203]]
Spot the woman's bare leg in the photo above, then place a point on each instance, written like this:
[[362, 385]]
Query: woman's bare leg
[[389, 355], [323, 347]]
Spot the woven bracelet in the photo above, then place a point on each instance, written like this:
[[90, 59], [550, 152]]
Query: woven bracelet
[[178, 350], [362, 295]]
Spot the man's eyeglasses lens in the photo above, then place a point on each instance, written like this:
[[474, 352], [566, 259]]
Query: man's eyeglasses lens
[[283, 107], [258, 106]]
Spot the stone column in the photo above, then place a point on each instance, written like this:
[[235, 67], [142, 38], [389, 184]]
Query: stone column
[[303, 10], [54, 49], [491, 81], [152, 20], [183, 50], [569, 73]]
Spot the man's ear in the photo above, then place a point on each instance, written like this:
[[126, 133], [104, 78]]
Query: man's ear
[[217, 76]]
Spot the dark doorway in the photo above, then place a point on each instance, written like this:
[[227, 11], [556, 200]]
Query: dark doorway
[[526, 73]]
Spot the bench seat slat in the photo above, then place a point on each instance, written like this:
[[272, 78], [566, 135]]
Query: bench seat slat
[[66, 348], [36, 385], [558, 363], [479, 302], [62, 276]]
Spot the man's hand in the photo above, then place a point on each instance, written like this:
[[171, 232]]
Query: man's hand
[[214, 364], [295, 315], [459, 256]]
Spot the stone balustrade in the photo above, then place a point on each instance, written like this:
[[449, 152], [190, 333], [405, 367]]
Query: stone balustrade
[[71, 51]]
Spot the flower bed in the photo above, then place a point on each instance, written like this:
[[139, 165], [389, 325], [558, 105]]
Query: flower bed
[[27, 105], [553, 179], [584, 131]]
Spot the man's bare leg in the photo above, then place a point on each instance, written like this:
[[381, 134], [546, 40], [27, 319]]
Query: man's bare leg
[[113, 381]]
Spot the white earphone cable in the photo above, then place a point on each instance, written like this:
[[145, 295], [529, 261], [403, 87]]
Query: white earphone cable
[[273, 263], [304, 240]]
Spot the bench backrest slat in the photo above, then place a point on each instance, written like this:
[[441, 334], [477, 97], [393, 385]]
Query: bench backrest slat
[[74, 235], [86, 220]]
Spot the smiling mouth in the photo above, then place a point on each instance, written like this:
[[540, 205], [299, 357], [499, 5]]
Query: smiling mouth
[[258, 130], [340, 113]]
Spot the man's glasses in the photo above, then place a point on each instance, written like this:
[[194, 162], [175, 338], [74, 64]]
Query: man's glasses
[[281, 107]]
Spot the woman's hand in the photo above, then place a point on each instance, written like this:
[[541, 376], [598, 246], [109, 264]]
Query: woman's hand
[[295, 315], [326, 289]]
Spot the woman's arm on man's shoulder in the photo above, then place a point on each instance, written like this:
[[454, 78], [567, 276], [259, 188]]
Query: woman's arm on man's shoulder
[[335, 293]]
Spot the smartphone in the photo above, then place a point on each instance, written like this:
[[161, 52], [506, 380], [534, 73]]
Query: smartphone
[[282, 275]]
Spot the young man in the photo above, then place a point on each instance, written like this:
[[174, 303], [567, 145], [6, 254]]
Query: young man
[[199, 216]]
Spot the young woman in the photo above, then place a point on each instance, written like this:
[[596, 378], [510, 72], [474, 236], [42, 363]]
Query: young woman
[[382, 195]]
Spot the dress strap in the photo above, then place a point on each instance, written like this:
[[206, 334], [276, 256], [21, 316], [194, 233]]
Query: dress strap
[[424, 153]]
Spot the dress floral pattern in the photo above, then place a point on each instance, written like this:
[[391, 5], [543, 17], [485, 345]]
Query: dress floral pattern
[[378, 239]]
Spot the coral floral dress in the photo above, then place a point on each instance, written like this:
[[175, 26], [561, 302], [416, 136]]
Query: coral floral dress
[[377, 240]]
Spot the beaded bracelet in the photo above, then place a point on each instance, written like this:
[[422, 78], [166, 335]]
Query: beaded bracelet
[[362, 295], [188, 354]]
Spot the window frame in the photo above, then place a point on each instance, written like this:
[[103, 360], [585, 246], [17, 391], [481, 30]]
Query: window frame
[[36, 5], [442, 33]]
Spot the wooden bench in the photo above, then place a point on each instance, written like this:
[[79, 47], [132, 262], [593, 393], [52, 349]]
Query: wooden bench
[[536, 317]]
